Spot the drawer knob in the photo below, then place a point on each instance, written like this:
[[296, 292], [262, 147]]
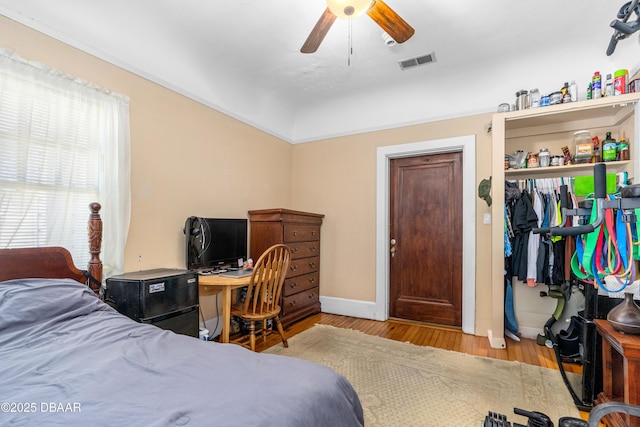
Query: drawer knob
[[294, 267], [312, 264], [312, 279], [312, 295], [293, 285], [295, 233], [292, 303], [313, 233], [313, 248], [295, 250]]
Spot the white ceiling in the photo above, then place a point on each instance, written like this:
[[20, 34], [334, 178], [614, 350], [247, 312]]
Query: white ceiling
[[242, 56]]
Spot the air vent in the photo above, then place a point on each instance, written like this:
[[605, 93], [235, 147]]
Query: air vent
[[418, 60]]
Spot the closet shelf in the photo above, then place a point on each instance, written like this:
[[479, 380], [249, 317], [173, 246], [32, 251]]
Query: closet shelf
[[563, 170], [588, 114]]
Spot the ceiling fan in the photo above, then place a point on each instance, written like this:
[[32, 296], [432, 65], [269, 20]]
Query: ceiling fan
[[382, 14]]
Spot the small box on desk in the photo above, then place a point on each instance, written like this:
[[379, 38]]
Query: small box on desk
[[167, 298]]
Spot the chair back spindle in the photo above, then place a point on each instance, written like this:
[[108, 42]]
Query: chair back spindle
[[263, 292], [265, 287]]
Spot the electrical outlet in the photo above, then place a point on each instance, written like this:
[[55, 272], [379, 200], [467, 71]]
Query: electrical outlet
[[486, 219]]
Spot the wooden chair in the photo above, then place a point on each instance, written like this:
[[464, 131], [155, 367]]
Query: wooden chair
[[263, 294]]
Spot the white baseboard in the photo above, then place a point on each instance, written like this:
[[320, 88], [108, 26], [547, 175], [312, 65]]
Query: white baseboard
[[349, 307]]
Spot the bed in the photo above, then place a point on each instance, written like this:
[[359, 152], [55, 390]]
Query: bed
[[69, 359]]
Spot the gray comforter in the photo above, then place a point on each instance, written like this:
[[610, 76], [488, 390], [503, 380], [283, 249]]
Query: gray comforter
[[66, 358]]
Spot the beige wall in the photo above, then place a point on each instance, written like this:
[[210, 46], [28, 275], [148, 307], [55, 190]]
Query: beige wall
[[337, 177], [187, 159]]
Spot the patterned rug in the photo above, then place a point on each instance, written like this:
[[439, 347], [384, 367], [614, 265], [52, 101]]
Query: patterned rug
[[401, 384]]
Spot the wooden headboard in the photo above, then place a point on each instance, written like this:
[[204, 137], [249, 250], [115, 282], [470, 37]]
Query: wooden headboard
[[56, 262]]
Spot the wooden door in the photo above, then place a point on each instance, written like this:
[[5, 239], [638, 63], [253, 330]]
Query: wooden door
[[426, 238]]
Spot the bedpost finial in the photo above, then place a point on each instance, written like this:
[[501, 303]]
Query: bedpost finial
[[95, 208]]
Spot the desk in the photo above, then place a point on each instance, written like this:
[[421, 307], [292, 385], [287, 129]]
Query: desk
[[621, 369], [213, 284]]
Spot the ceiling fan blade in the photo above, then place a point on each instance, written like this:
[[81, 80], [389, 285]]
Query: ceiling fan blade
[[319, 32], [390, 21]]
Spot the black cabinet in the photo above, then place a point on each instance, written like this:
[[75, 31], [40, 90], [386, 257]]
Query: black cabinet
[[167, 298]]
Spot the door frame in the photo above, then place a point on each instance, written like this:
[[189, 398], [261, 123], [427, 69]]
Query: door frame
[[465, 144]]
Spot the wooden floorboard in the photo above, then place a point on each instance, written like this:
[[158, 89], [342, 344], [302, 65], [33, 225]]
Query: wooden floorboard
[[525, 351]]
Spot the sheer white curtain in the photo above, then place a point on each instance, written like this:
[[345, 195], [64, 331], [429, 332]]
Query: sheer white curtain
[[64, 143]]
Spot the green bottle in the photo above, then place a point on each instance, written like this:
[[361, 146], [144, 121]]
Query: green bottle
[[609, 149]]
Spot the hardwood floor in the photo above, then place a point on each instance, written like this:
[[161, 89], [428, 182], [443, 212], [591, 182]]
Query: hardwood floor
[[526, 351]]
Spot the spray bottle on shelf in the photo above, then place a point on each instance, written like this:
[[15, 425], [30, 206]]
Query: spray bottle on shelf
[[596, 85], [608, 86], [620, 79]]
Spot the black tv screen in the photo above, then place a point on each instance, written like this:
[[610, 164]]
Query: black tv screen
[[215, 242]]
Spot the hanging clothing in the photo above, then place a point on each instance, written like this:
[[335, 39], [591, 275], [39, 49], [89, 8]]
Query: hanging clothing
[[524, 219], [510, 322], [542, 257], [545, 260], [508, 250], [534, 241]]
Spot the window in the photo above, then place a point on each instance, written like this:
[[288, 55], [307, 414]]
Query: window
[[64, 143]]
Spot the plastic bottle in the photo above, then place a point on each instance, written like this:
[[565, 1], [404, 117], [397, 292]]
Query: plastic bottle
[[608, 86], [573, 90], [521, 99], [596, 85], [544, 158], [609, 151], [620, 78], [584, 146], [535, 97], [566, 95], [623, 149], [597, 154], [544, 101], [590, 91]]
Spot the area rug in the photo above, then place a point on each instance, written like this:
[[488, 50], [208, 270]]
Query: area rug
[[401, 384]]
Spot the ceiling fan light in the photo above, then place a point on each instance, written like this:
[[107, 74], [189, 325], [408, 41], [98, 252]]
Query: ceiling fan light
[[347, 9]]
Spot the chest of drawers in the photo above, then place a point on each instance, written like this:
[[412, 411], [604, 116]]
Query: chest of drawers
[[301, 232]]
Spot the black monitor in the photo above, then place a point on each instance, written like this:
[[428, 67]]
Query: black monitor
[[214, 243]]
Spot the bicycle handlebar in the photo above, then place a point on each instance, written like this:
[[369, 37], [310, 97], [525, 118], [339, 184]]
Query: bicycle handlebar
[[600, 193]]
